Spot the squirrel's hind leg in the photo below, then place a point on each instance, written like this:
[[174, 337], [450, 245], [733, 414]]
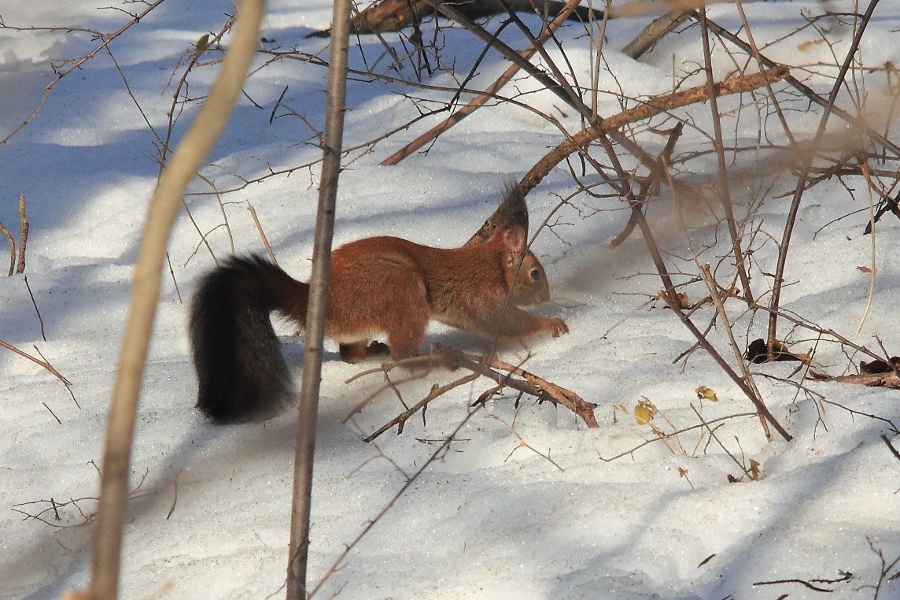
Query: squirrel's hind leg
[[357, 351]]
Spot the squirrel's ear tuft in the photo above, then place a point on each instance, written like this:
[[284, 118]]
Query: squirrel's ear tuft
[[512, 211]]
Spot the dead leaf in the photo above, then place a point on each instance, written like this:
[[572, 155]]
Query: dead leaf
[[705, 393], [888, 380], [757, 353], [880, 366], [803, 47], [754, 470], [644, 411]]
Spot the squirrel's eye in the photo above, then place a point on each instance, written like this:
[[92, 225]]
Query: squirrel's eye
[[536, 274]]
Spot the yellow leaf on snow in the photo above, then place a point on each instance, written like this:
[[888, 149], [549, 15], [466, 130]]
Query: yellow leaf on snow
[[705, 393]]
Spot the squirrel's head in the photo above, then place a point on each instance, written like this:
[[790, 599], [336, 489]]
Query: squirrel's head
[[527, 279]]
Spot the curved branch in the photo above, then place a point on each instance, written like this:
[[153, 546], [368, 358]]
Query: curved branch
[[164, 207], [647, 109]]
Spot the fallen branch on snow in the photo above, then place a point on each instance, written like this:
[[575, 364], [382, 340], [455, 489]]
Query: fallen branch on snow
[[502, 373]]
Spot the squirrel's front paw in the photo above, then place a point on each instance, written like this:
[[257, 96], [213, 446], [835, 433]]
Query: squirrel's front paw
[[556, 326]]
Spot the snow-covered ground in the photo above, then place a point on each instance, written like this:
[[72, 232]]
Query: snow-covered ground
[[522, 504]]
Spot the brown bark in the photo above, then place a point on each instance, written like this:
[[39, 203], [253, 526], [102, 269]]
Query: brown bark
[[645, 110], [394, 15]]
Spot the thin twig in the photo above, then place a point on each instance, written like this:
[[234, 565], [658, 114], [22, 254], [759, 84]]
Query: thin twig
[[43, 363], [890, 446], [73, 65], [808, 92], [809, 584], [712, 434], [873, 269], [435, 456], [12, 248], [524, 444], [703, 425], [174, 499], [650, 184], [23, 235], [489, 92], [51, 412], [724, 187], [262, 234], [729, 330], [645, 110], [434, 392], [791, 218], [34, 303]]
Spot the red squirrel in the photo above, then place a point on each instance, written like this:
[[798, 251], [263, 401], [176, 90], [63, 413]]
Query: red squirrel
[[379, 287]]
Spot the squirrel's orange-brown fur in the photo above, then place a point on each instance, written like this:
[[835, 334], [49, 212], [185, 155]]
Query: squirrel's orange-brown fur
[[379, 287]]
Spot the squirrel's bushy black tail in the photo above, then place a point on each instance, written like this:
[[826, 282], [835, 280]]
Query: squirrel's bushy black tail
[[237, 355]]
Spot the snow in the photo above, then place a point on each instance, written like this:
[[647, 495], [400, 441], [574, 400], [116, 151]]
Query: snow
[[524, 503]]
